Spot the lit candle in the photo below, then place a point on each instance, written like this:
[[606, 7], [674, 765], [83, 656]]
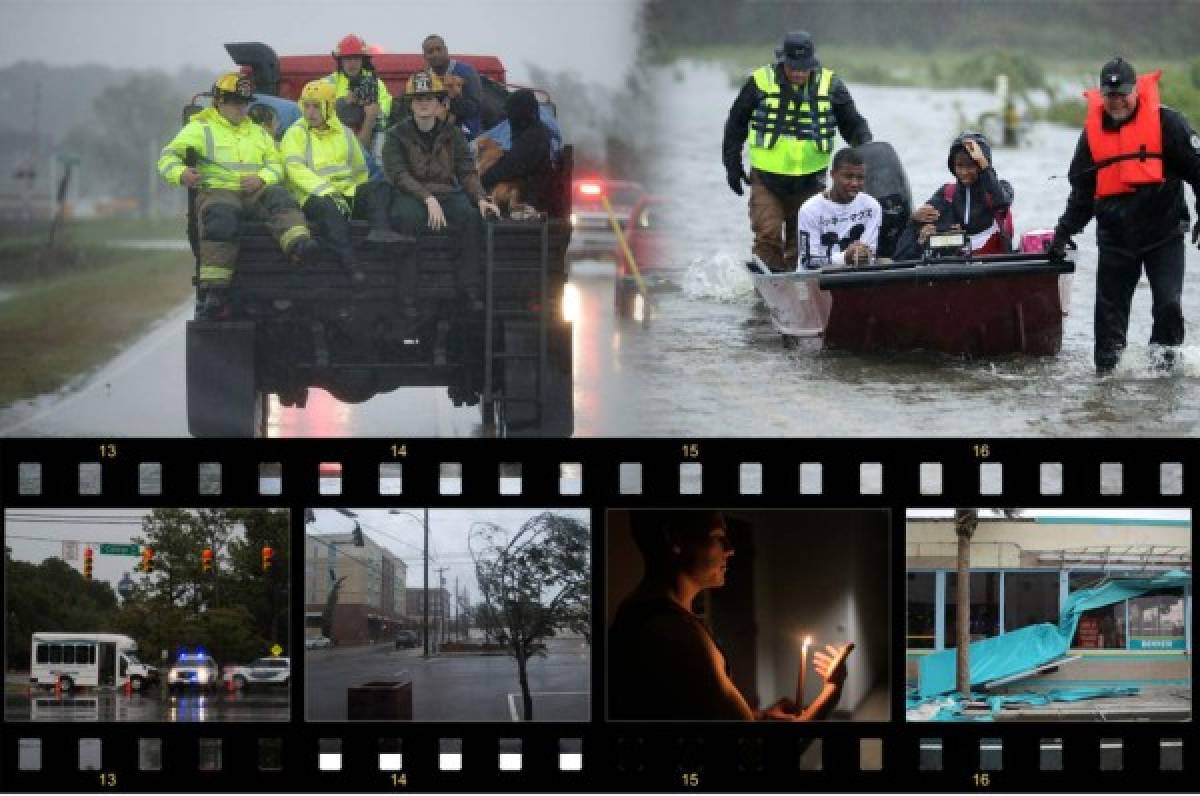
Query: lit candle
[[803, 666]]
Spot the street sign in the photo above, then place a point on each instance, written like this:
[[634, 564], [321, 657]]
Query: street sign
[[276, 650], [118, 549], [70, 551]]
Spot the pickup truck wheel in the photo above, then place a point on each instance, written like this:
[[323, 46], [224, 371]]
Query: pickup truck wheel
[[222, 398]]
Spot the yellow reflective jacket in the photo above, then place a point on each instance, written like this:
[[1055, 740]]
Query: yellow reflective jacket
[[320, 161], [793, 138], [225, 153], [342, 83]]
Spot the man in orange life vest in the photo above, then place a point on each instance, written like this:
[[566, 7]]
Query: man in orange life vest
[[1127, 171]]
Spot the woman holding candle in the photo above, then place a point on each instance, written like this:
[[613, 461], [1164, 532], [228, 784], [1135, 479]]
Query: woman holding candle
[[663, 662]]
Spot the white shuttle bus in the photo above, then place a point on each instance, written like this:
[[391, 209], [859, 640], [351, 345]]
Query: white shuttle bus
[[94, 660]]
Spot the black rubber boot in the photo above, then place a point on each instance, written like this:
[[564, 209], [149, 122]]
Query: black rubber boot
[[378, 201]]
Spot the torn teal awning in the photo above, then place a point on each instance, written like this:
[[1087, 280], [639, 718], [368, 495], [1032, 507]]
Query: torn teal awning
[[1034, 645]]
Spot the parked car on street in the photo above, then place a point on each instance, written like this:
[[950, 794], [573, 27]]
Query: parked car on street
[[263, 671]]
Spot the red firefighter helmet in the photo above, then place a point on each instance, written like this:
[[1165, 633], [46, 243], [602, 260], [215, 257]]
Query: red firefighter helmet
[[351, 45]]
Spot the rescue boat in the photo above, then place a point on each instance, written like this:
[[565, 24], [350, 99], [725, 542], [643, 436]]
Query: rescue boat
[[948, 301]]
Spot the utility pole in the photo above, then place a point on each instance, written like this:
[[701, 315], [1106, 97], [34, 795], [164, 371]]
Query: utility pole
[[441, 605], [425, 587], [457, 628]]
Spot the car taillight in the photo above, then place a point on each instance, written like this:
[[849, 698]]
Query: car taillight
[[591, 188]]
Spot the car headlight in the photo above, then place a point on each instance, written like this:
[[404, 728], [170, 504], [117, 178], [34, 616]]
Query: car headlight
[[202, 676], [574, 220]]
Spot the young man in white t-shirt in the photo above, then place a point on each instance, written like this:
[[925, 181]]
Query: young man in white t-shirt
[[843, 222]]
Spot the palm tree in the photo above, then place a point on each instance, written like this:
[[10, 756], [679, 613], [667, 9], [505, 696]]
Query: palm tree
[[965, 522]]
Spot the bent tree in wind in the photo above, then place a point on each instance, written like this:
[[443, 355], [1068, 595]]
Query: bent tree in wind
[[534, 582]]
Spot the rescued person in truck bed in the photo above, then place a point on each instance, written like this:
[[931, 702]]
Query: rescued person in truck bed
[[428, 163], [663, 662], [528, 166]]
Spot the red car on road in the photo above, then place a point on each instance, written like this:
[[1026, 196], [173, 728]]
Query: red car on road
[[647, 236], [591, 231]]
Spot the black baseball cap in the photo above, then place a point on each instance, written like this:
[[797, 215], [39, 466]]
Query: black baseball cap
[[798, 51], [1117, 77]]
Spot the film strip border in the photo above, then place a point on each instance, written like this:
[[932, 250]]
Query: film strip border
[[600, 474], [608, 472]]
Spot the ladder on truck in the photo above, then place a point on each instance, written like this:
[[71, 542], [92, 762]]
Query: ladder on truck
[[499, 357]]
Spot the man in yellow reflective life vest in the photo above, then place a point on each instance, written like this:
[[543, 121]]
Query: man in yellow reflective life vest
[[327, 173], [1132, 159], [355, 78], [788, 112], [237, 173]]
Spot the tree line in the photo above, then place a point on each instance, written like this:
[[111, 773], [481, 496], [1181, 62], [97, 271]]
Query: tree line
[[1059, 28]]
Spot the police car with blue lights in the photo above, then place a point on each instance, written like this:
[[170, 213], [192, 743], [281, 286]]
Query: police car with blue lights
[[194, 670]]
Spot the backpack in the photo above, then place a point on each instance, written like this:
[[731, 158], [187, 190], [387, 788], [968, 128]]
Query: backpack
[[1003, 216]]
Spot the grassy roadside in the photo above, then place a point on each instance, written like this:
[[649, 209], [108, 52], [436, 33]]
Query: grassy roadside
[[92, 232], [948, 69], [73, 308]]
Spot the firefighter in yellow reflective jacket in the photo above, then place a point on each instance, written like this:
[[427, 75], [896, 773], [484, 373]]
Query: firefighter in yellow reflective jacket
[[237, 172], [327, 173], [355, 78], [789, 113]]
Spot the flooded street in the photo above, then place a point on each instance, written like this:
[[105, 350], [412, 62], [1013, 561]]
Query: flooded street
[[710, 363]]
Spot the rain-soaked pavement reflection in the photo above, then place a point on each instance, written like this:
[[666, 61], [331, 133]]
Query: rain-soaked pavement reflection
[[110, 705]]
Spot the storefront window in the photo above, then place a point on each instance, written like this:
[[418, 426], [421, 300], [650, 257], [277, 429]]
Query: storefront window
[[922, 610], [1157, 621], [1030, 598], [985, 606]]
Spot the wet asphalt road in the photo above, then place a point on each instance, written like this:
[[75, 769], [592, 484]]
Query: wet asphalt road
[[92, 705], [454, 687]]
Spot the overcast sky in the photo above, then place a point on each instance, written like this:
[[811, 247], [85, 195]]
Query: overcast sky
[[402, 534], [37, 534], [594, 38]]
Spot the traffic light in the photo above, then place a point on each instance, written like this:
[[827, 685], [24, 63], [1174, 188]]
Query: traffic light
[[206, 561], [268, 558], [87, 563], [147, 560]]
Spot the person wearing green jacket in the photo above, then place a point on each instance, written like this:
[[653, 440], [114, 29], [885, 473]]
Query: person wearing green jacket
[[787, 114], [326, 172], [233, 165]]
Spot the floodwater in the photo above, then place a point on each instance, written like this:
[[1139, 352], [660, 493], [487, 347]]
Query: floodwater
[[710, 363], [707, 361]]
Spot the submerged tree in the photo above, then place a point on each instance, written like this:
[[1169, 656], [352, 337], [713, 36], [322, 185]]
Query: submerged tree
[[534, 581]]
